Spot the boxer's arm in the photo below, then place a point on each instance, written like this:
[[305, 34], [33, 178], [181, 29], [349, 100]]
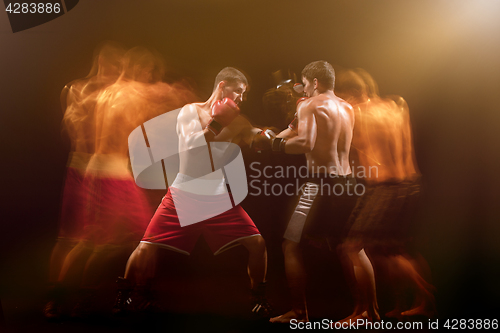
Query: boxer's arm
[[223, 113], [240, 127], [250, 135], [305, 139], [189, 129], [410, 160], [64, 98], [287, 134]]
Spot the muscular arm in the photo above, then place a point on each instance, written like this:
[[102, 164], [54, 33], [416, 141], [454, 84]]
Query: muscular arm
[[304, 141], [410, 161], [190, 131], [287, 134], [240, 129]]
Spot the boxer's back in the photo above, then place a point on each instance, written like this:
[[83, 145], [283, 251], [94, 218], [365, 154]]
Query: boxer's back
[[381, 140], [334, 120], [81, 98]]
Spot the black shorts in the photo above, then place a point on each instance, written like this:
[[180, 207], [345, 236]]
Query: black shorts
[[324, 206], [383, 215]]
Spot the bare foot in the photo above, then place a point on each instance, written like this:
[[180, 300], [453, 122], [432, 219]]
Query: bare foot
[[350, 317], [423, 309], [364, 315], [292, 314], [396, 313], [373, 314]]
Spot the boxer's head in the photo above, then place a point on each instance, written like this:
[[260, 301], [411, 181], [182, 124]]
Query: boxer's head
[[318, 76], [108, 59], [371, 85], [232, 84], [355, 86], [350, 87], [143, 65]]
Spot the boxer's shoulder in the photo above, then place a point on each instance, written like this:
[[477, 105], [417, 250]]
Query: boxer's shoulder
[[193, 108], [307, 106]]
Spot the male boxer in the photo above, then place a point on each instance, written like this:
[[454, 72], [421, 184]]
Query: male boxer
[[117, 212], [379, 223], [78, 100], [323, 132], [199, 125]]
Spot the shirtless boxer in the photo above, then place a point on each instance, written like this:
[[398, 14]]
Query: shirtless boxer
[[117, 211], [323, 132], [379, 223], [199, 125], [78, 100]]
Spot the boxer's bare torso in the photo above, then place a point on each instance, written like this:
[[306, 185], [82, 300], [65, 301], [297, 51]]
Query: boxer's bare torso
[[334, 121], [325, 124], [191, 129], [382, 138], [78, 99]]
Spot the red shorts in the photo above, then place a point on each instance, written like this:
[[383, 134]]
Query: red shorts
[[117, 210], [73, 205], [220, 232]]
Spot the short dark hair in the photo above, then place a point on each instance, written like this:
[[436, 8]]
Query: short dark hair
[[371, 85], [139, 57], [231, 75], [109, 50], [322, 71], [350, 85]]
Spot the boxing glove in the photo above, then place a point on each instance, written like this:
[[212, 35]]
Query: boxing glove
[[273, 143], [268, 133], [262, 140], [298, 88], [278, 145], [223, 113]]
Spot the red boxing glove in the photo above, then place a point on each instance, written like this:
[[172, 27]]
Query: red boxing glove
[[223, 113], [298, 88], [294, 124], [300, 100]]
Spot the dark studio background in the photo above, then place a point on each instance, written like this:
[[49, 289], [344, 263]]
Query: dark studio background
[[441, 56]]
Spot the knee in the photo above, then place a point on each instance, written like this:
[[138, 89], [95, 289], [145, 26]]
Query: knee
[[289, 246], [255, 244], [260, 243], [341, 250], [144, 250], [66, 243], [349, 251]]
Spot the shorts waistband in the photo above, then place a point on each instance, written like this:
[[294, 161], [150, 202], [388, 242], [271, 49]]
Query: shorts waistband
[[331, 179]]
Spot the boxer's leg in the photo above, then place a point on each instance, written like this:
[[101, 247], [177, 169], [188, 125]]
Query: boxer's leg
[[424, 298], [56, 292], [141, 266], [139, 272], [257, 259], [59, 253], [361, 281], [75, 261], [257, 268], [294, 265], [296, 276]]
